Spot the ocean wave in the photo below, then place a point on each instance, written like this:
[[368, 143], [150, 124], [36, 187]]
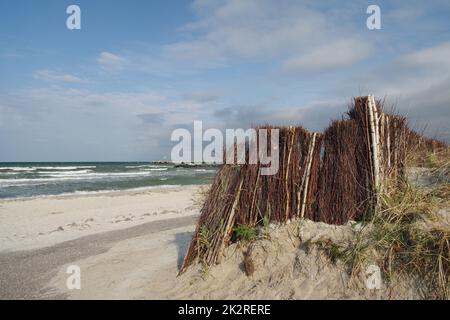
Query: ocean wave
[[38, 168], [88, 175], [80, 177], [145, 166], [65, 168], [205, 170], [10, 173], [17, 169], [154, 169], [65, 173]]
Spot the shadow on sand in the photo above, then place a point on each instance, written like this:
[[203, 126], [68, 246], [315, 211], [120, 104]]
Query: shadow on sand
[[182, 241]]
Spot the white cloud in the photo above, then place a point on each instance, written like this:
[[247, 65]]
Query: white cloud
[[410, 73], [330, 56], [245, 29], [290, 33], [436, 57], [47, 75], [110, 61], [89, 125], [202, 96]]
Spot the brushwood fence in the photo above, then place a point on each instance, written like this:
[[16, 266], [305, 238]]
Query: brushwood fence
[[333, 177]]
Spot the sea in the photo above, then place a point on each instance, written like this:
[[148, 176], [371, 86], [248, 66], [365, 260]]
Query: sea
[[22, 180]]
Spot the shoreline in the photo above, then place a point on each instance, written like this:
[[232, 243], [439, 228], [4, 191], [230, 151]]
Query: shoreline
[[76, 194]]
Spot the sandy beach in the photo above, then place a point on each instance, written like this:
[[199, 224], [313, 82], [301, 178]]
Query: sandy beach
[[44, 221], [128, 235]]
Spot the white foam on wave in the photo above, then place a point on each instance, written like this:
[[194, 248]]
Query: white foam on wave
[[93, 175], [144, 166], [9, 173], [80, 175], [64, 173], [204, 170], [17, 168], [24, 169], [65, 168], [154, 169], [68, 172], [49, 178]]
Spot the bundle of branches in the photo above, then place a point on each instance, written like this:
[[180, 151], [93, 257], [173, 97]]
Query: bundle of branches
[[426, 152], [360, 153], [217, 217], [343, 193], [240, 195], [290, 192], [418, 143], [384, 144], [394, 146]]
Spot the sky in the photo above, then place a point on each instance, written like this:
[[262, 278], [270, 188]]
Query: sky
[[137, 70]]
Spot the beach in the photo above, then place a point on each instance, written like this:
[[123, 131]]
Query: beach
[[130, 244], [119, 239]]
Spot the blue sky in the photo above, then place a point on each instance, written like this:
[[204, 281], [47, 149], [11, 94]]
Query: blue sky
[[137, 70]]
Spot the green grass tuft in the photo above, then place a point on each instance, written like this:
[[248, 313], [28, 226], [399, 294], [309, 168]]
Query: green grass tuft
[[245, 233]]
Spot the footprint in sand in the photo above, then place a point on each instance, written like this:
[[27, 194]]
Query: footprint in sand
[[84, 226], [168, 211], [57, 230], [122, 218]]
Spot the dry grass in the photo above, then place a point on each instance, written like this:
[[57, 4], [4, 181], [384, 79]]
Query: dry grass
[[410, 245], [200, 196], [439, 159], [403, 241]]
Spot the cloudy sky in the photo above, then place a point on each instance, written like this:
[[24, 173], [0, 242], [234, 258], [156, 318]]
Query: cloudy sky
[[137, 70]]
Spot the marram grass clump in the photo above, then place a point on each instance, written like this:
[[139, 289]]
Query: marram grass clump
[[405, 238], [414, 242]]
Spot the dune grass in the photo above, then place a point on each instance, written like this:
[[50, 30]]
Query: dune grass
[[405, 238], [439, 159]]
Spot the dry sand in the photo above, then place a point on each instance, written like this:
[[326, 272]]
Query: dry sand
[[145, 267], [40, 222], [127, 236]]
